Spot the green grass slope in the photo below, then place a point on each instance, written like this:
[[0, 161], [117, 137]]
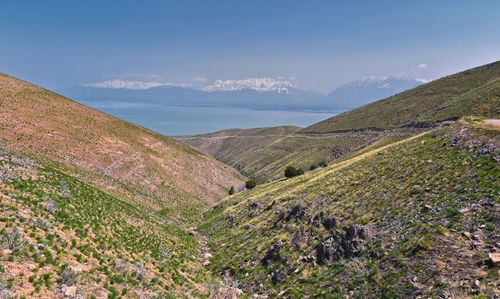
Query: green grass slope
[[226, 144], [416, 217], [481, 101], [264, 153], [61, 236], [95, 206], [269, 162], [422, 101]]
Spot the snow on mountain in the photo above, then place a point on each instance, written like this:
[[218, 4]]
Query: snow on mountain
[[257, 84], [135, 85]]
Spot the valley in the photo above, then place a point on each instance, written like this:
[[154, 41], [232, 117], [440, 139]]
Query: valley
[[400, 198]]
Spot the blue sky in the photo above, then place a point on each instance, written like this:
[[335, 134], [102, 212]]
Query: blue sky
[[316, 44]]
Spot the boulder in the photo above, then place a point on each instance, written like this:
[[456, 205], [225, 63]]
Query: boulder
[[297, 212], [272, 254], [355, 231], [494, 258], [330, 223], [69, 292], [322, 254]]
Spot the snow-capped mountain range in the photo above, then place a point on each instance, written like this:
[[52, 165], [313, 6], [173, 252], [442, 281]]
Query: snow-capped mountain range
[[257, 84], [268, 93]]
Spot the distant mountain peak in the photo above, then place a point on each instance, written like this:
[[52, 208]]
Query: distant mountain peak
[[257, 84], [134, 85]]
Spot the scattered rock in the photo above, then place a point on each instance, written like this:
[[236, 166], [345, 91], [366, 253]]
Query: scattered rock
[[277, 277], [355, 231], [494, 258], [316, 221], [443, 294], [272, 254], [322, 254], [231, 218], [297, 212], [7, 294], [341, 245], [428, 208], [226, 293], [330, 223], [76, 269], [51, 207], [69, 292]]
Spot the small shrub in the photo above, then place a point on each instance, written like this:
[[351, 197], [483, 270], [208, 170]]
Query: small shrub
[[165, 211], [250, 184], [68, 277], [231, 190], [300, 171], [313, 167], [290, 172]]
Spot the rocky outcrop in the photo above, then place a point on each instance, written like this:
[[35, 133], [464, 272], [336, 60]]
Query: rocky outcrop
[[341, 244], [297, 212]]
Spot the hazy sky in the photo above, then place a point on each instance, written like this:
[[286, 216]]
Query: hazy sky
[[316, 44]]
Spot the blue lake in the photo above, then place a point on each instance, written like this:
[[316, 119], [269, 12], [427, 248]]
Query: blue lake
[[189, 120]]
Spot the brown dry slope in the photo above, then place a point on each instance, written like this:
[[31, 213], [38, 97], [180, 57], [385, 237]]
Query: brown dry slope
[[37, 121]]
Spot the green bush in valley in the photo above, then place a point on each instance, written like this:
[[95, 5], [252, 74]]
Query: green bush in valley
[[250, 184], [290, 172], [165, 211], [231, 190]]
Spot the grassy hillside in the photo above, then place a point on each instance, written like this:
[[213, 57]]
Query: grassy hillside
[[269, 162], [226, 144], [481, 101], [415, 217], [425, 102], [69, 237], [35, 120], [95, 206], [264, 153]]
